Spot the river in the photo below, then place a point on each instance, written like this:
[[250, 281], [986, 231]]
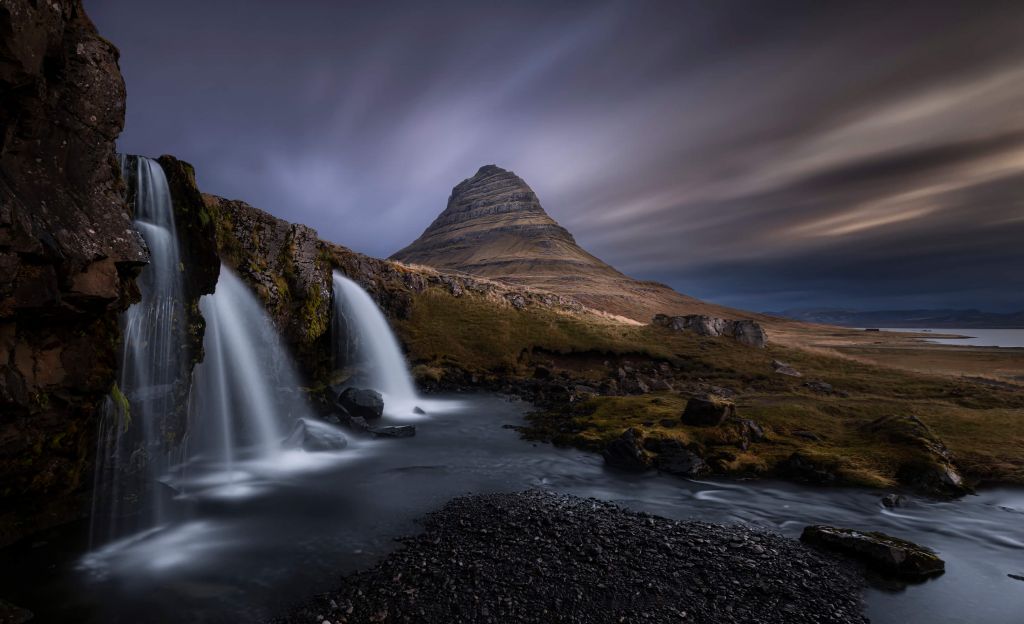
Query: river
[[271, 533]]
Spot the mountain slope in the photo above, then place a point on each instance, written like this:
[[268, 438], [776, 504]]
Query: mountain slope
[[494, 226]]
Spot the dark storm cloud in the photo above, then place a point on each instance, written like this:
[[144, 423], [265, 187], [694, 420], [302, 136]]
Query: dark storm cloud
[[762, 154]]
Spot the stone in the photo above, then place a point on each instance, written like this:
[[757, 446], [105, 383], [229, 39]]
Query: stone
[[627, 452], [883, 553], [782, 368], [365, 403], [744, 331], [315, 436], [800, 467], [708, 411], [394, 431], [674, 458], [418, 410], [893, 500]]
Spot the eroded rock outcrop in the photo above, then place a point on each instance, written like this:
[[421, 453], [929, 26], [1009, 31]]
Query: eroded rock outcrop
[[744, 331], [68, 254]]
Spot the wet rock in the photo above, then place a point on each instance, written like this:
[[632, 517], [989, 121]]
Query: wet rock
[[674, 458], [314, 436], [782, 368], [365, 403], [394, 431], [537, 558], [893, 500], [800, 467], [627, 452], [881, 552], [708, 411], [1016, 577], [418, 410]]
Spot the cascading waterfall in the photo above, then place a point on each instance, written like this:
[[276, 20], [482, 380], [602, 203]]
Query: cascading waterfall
[[356, 315], [245, 390], [144, 413]]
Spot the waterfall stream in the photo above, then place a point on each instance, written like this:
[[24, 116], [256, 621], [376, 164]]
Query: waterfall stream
[[143, 413], [377, 349]]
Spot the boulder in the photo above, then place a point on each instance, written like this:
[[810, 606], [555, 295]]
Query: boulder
[[676, 459], [746, 332], [314, 436], [396, 431], [418, 410], [803, 468], [365, 403], [782, 368], [882, 553], [708, 411], [893, 500], [627, 452], [749, 333]]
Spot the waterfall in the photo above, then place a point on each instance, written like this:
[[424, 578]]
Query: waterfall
[[244, 394], [143, 417], [356, 315]]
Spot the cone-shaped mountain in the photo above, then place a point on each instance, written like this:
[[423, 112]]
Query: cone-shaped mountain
[[494, 226]]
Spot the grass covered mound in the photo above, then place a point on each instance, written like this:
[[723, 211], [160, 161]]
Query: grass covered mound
[[841, 421]]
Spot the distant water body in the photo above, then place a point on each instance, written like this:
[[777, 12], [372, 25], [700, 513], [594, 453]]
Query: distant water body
[[976, 337]]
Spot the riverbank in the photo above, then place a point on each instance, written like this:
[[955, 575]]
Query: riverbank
[[539, 557]]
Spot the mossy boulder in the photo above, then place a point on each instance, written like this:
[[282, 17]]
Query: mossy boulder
[[880, 552], [708, 410]]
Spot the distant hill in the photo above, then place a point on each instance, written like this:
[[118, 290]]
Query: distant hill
[[950, 319], [494, 226]]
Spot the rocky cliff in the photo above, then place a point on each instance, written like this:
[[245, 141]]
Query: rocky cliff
[[68, 253], [494, 226]]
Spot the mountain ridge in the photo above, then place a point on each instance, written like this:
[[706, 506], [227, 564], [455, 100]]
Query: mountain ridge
[[923, 318]]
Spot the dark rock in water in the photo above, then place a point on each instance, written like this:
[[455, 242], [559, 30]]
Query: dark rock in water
[[312, 435], [674, 458], [1016, 577], [418, 410], [708, 411], [397, 431], [627, 452], [368, 404], [881, 552], [535, 557], [894, 500]]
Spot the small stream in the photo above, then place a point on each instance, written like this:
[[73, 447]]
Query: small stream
[[271, 533]]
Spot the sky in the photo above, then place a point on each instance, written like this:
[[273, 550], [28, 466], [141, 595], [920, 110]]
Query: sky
[[766, 155]]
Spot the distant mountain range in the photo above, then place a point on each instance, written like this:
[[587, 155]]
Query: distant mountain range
[[950, 319]]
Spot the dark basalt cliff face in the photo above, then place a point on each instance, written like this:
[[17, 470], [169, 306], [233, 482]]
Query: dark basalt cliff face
[[494, 225], [68, 254]]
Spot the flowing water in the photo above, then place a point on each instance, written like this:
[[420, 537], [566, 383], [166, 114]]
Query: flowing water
[[133, 449], [358, 319], [315, 516]]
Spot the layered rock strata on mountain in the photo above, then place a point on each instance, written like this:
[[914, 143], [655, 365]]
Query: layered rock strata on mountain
[[494, 226], [68, 254], [744, 331]]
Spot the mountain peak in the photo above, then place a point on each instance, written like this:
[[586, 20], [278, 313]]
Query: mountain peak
[[494, 225]]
